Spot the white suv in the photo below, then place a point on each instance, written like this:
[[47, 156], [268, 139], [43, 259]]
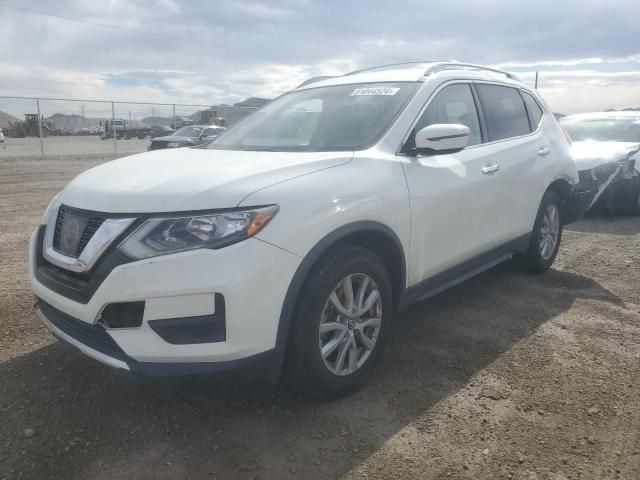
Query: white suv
[[287, 245]]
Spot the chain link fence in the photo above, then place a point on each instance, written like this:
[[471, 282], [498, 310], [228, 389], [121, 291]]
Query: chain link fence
[[58, 128]]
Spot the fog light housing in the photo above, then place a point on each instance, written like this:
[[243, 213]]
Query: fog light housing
[[122, 315]]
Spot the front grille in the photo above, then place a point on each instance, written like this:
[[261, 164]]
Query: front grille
[[92, 226], [93, 222], [93, 336], [80, 286]]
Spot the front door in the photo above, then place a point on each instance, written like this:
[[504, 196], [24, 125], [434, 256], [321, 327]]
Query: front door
[[456, 206]]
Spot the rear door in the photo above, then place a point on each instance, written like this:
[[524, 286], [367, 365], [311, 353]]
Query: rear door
[[518, 151]]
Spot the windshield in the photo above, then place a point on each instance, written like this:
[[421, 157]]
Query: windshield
[[188, 132], [617, 129], [342, 117]]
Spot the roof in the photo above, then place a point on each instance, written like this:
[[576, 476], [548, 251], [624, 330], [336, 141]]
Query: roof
[[409, 72]]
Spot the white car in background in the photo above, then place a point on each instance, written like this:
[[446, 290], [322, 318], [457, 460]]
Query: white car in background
[[1, 136], [288, 244], [606, 148]]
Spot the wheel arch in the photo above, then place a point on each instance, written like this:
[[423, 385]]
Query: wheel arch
[[375, 236], [563, 189]]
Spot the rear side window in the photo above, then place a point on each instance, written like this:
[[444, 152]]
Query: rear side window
[[535, 112], [504, 112]]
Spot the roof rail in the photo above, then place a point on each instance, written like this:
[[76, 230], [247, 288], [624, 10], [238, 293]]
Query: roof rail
[[451, 65], [315, 79], [413, 62]]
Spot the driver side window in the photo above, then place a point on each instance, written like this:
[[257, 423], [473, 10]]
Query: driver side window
[[453, 104]]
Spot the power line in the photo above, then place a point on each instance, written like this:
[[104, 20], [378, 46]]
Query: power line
[[91, 22]]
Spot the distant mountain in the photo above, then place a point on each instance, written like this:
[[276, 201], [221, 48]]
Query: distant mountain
[[5, 118], [253, 102]]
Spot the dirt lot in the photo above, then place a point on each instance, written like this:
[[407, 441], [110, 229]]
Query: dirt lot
[[64, 148], [504, 376]]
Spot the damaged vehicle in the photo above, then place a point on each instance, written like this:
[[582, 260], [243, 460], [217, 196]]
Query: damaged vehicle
[[188, 136], [606, 148]]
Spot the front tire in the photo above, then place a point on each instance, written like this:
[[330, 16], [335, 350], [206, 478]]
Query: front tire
[[545, 237], [340, 324]]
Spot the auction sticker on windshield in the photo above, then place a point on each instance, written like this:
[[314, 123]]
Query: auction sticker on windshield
[[375, 91]]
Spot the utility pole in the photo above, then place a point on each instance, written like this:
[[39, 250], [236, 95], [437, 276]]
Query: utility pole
[[536, 80]]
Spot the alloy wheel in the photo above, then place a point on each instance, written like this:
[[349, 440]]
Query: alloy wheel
[[350, 324], [549, 229]]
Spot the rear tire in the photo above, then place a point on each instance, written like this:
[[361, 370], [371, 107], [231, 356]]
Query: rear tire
[[545, 237], [313, 364]]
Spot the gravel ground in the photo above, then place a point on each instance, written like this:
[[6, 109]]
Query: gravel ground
[[504, 376], [77, 147]]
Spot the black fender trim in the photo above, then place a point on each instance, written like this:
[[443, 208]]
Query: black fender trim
[[288, 306]]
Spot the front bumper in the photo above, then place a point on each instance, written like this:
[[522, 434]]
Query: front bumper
[[616, 188], [579, 201], [94, 342], [252, 276]]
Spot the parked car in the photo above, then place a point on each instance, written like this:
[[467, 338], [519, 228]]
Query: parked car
[[188, 136], [1, 136], [285, 248], [606, 148], [161, 131]]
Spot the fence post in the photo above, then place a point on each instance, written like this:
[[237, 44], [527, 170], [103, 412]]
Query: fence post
[[174, 117], [40, 130], [113, 130]]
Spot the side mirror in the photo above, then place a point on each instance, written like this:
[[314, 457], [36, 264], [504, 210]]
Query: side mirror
[[442, 138]]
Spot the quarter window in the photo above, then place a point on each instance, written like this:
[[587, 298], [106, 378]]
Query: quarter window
[[453, 104], [504, 112], [535, 112]]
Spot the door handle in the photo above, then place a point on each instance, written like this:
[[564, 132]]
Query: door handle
[[490, 167], [543, 151]]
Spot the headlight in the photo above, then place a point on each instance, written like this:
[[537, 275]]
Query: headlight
[[163, 235], [173, 144]]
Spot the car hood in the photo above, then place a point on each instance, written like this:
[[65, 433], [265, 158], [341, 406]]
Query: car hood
[[174, 138], [182, 179], [591, 154]]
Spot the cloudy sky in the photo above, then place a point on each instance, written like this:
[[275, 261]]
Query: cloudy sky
[[206, 52]]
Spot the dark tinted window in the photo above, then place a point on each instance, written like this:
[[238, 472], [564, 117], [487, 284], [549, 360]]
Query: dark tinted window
[[504, 112], [535, 112], [453, 104]]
